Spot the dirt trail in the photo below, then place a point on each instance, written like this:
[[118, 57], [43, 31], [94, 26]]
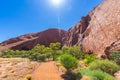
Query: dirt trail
[[47, 71]]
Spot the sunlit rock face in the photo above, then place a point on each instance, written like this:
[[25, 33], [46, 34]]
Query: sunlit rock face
[[99, 31], [28, 41]]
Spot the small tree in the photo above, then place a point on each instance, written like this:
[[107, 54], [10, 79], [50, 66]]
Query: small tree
[[65, 49], [88, 58], [74, 51], [48, 51], [38, 48], [69, 62], [55, 47]]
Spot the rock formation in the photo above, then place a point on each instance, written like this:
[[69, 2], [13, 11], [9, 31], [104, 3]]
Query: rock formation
[[99, 31], [28, 41]]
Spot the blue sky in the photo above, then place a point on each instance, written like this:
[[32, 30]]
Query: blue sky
[[19, 17]]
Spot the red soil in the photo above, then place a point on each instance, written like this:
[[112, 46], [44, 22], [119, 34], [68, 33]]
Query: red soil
[[47, 71]]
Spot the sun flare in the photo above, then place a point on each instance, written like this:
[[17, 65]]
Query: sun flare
[[57, 3]]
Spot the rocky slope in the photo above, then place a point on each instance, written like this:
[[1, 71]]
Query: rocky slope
[[99, 31], [28, 41]]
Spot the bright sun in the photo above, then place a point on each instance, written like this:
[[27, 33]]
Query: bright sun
[[56, 3]]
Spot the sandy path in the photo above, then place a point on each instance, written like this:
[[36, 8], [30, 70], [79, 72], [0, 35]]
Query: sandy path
[[47, 71]]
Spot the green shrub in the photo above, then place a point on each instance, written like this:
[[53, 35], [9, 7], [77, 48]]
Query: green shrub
[[68, 61], [95, 74], [104, 65], [38, 57], [89, 58], [115, 56], [34, 56], [57, 55], [42, 57], [72, 76], [55, 46], [74, 51], [65, 49], [38, 49]]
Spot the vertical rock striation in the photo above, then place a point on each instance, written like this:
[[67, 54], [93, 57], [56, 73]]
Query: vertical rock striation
[[99, 31]]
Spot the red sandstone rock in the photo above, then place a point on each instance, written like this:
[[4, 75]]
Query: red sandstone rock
[[99, 31], [28, 41]]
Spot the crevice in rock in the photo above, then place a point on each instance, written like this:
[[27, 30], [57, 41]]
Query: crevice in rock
[[112, 47]]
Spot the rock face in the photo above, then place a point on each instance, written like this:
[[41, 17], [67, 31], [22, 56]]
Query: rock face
[[99, 31], [28, 41]]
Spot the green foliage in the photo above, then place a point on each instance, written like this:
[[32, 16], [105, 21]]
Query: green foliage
[[72, 76], [55, 46], [12, 53], [68, 61], [47, 50], [57, 54], [88, 58], [74, 51], [104, 65], [95, 74], [40, 52], [65, 49], [26, 54], [38, 48], [115, 56]]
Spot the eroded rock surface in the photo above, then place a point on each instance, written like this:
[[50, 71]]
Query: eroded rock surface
[[99, 31], [28, 41]]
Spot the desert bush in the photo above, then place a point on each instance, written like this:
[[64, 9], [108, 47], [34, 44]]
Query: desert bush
[[57, 55], [74, 51], [16, 53], [55, 46], [38, 48], [8, 54], [88, 58], [94, 74], [38, 57], [115, 56], [42, 57], [34, 56], [68, 61], [47, 50], [104, 65], [73, 76], [65, 49]]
